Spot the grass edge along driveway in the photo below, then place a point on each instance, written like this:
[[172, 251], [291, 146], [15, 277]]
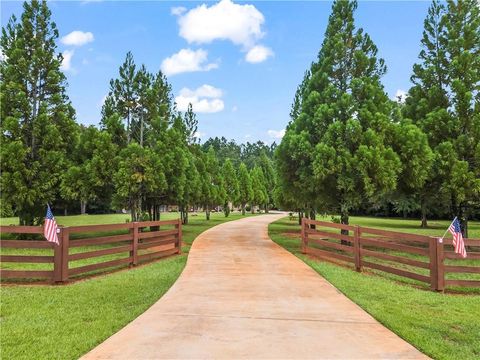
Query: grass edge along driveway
[[443, 326], [65, 322]]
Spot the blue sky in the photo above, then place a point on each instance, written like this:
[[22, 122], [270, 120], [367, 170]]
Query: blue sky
[[245, 59]]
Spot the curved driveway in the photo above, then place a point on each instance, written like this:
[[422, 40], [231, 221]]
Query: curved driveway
[[243, 296]]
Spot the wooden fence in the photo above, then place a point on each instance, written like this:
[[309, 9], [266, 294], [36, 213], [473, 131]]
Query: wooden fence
[[129, 245], [419, 257]]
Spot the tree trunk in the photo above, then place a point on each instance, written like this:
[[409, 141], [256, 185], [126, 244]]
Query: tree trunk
[[207, 212], [185, 217], [344, 220], [252, 210], [26, 219], [300, 217], [313, 216], [83, 207], [462, 217], [226, 209], [243, 209], [424, 216]]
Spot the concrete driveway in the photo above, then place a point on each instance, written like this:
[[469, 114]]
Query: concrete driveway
[[243, 296]]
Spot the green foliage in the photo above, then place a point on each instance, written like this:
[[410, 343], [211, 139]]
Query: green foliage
[[140, 173], [444, 103], [92, 165], [37, 126], [245, 190], [267, 166], [260, 195], [249, 153], [335, 153], [231, 185]]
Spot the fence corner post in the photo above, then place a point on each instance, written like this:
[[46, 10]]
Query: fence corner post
[[58, 258], [134, 252], [357, 249], [65, 245], [440, 265], [432, 250], [304, 236], [179, 227]]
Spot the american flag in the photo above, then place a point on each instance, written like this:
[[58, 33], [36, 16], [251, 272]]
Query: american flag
[[50, 227], [458, 242]]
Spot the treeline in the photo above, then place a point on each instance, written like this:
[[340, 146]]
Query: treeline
[[144, 155], [348, 148]]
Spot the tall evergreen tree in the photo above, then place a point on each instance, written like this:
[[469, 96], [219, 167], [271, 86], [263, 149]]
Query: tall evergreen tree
[[216, 193], [335, 154], [266, 164], [191, 124], [37, 119], [444, 102], [259, 190], [231, 185], [245, 191], [124, 90]]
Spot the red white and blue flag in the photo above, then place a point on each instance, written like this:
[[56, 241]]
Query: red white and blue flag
[[458, 242], [50, 227]]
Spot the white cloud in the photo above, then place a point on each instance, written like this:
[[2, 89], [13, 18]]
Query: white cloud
[[205, 99], [400, 96], [67, 60], [241, 24], [187, 60], [258, 54], [276, 134], [199, 134], [77, 38], [178, 10]]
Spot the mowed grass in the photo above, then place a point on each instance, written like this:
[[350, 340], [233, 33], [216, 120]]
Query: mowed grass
[[66, 321], [443, 326]]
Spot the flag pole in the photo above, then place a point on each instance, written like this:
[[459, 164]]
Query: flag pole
[[445, 233]]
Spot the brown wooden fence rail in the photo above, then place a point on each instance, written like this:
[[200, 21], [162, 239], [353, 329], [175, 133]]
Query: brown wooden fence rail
[[130, 245], [419, 257]]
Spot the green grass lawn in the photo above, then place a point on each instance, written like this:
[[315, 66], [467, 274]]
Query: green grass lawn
[[443, 326], [64, 322]]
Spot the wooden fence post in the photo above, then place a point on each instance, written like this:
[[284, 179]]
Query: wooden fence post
[[432, 247], [134, 252], [304, 236], [58, 258], [179, 227], [357, 249], [440, 266], [65, 244]]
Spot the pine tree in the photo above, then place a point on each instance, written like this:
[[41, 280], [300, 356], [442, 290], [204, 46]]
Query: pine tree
[[259, 191], [191, 124], [125, 92], [462, 21], [266, 165], [444, 103], [427, 101], [231, 185], [335, 155], [37, 126], [245, 191]]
